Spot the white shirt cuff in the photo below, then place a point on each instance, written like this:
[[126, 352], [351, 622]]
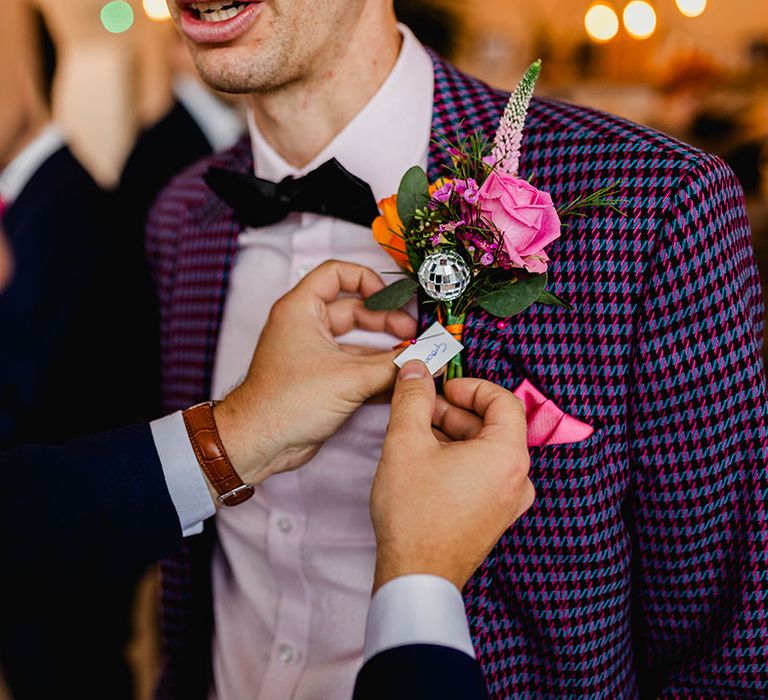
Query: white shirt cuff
[[417, 609], [183, 477]]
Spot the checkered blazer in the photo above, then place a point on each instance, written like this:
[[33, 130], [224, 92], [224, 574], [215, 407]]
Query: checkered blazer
[[641, 569]]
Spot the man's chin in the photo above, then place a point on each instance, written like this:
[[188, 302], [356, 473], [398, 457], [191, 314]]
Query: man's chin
[[224, 70]]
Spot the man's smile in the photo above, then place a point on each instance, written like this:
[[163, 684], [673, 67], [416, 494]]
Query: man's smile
[[217, 11], [218, 21]]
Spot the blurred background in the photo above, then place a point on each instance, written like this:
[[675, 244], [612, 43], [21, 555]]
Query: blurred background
[[116, 82]]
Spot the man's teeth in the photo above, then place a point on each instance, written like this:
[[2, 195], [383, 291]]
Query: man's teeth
[[219, 10]]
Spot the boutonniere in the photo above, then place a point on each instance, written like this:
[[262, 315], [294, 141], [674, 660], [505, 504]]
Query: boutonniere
[[478, 235]]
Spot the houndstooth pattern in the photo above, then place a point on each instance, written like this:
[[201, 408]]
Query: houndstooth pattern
[[641, 570]]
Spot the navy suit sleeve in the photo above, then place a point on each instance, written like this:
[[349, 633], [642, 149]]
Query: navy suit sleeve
[[421, 672], [98, 507]]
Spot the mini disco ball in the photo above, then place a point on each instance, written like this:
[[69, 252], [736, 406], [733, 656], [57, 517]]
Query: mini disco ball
[[444, 275]]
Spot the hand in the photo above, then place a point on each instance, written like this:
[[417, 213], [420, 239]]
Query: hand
[[443, 496], [302, 385]]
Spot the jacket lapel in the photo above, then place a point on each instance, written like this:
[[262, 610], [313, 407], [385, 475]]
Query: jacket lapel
[[206, 251]]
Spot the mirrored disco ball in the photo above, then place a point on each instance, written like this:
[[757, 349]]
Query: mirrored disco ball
[[444, 275]]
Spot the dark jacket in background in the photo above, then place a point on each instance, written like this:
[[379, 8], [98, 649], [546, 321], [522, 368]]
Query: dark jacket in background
[[78, 355], [71, 362], [161, 151]]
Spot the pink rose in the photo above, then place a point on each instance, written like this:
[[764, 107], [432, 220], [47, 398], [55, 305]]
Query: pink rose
[[525, 216]]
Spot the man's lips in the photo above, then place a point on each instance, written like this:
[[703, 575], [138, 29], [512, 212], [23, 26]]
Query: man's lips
[[219, 21]]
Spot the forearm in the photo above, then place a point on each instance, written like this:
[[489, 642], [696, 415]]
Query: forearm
[[99, 504]]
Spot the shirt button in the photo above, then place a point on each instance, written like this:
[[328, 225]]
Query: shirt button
[[285, 525], [285, 653]]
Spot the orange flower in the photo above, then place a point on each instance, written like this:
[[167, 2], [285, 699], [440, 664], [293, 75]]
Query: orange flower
[[388, 232]]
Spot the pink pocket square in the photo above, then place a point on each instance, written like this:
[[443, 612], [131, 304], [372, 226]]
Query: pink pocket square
[[547, 424]]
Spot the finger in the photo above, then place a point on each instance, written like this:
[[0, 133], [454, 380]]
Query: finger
[[413, 401], [370, 374], [334, 277], [502, 412], [454, 421], [377, 355], [440, 436], [527, 497], [359, 350], [349, 313]]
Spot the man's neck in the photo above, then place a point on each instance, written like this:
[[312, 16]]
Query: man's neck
[[300, 119]]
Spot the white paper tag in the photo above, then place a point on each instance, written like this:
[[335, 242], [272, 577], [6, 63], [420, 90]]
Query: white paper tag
[[435, 347]]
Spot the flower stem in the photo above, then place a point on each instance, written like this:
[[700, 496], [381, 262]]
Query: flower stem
[[455, 325]]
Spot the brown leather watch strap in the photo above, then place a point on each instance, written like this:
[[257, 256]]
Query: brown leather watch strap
[[204, 436]]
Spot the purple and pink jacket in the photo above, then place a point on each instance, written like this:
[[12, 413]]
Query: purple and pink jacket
[[641, 569]]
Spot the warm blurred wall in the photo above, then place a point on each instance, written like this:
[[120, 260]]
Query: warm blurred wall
[[503, 36]]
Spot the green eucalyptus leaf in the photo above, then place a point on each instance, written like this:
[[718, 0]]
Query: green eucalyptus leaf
[[412, 195], [392, 297], [551, 299], [514, 298]]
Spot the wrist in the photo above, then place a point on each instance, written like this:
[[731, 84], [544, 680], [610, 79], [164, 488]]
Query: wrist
[[241, 437], [390, 566]]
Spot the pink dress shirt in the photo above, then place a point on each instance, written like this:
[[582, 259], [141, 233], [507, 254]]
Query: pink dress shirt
[[293, 568]]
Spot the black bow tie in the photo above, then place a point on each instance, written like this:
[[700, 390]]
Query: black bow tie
[[330, 190]]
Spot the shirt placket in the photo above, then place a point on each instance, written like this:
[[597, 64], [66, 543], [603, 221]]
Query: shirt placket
[[285, 536], [310, 245]]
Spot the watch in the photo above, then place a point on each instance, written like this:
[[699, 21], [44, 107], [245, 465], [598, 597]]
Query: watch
[[210, 453]]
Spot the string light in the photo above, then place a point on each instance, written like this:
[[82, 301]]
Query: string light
[[117, 16], [601, 22], [156, 10], [639, 19], [692, 8]]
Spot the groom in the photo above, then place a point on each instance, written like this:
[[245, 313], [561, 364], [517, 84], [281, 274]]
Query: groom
[[640, 570]]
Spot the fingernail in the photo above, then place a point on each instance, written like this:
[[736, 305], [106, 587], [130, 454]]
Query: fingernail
[[413, 369]]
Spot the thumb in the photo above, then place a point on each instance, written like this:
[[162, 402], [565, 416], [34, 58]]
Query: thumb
[[413, 401]]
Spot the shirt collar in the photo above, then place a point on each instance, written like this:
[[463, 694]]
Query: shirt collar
[[221, 124], [387, 136], [15, 176]]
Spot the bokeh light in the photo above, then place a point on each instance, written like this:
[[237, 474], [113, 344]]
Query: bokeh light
[[117, 16], [639, 19], [156, 10], [601, 22], [691, 8]]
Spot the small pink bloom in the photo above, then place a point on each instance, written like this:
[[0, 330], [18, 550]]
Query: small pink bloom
[[443, 194], [486, 259], [525, 216], [471, 192], [450, 226]]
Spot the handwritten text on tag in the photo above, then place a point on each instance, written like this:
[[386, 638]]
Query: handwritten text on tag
[[435, 347]]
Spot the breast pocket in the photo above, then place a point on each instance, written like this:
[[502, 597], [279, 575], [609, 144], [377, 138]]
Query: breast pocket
[[587, 461]]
